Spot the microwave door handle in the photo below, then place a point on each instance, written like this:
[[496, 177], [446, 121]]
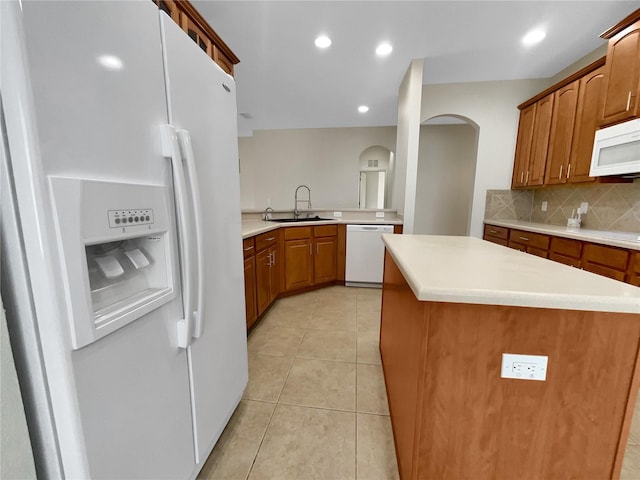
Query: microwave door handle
[[186, 148], [171, 150]]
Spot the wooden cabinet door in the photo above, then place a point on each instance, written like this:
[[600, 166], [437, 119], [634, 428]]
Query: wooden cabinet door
[[263, 280], [274, 274], [523, 146], [298, 266], [251, 306], [325, 261], [622, 76], [562, 127], [587, 119], [196, 33], [540, 142]]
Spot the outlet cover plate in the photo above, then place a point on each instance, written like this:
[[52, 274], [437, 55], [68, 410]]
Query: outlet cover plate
[[337, 214], [379, 214], [524, 367]]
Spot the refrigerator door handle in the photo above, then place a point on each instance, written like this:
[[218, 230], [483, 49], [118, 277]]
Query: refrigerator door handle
[[171, 150], [186, 149]]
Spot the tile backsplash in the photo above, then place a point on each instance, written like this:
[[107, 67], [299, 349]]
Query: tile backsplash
[[611, 207]]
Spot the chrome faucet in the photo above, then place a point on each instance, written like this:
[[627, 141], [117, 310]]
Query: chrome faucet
[[267, 214], [296, 211]]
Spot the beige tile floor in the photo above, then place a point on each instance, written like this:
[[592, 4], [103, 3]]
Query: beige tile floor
[[315, 406]]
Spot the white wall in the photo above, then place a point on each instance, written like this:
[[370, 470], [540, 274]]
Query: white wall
[[493, 107], [408, 138], [446, 173], [274, 162]]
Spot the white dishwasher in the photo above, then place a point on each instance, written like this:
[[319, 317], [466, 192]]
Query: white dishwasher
[[365, 254]]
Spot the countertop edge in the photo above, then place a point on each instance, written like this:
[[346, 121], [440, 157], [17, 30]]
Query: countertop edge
[[261, 226], [503, 297]]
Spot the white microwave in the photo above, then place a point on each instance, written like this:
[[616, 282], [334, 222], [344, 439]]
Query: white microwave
[[616, 150]]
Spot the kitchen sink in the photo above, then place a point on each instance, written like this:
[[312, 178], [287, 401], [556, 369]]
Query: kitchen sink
[[297, 220]]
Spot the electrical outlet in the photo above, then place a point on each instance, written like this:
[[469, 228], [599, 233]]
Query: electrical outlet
[[337, 214], [584, 208], [379, 214], [544, 206], [524, 367]]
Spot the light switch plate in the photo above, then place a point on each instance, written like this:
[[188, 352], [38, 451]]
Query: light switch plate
[[337, 214], [524, 367], [379, 214], [544, 206], [584, 207]]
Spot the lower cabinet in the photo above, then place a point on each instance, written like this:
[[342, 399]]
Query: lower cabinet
[[633, 275], [251, 306], [310, 256], [267, 269], [613, 262], [533, 243], [250, 299], [603, 260]]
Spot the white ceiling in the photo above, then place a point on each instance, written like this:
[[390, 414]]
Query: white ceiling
[[284, 81]]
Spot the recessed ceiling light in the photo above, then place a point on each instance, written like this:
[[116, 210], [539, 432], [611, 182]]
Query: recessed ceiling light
[[323, 41], [533, 37], [110, 62], [384, 49], [363, 109]]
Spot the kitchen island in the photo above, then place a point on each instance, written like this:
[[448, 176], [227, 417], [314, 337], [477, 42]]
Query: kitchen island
[[451, 307]]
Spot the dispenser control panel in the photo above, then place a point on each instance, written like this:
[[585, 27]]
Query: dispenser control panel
[[134, 216]]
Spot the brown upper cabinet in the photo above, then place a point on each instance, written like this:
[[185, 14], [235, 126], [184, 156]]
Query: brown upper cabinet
[[197, 28], [556, 131], [586, 123], [622, 71], [561, 135], [533, 142]]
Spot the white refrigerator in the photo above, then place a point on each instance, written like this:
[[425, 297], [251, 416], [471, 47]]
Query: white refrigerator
[[121, 238]]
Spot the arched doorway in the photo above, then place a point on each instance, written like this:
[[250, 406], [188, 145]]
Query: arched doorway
[[447, 157], [376, 177]]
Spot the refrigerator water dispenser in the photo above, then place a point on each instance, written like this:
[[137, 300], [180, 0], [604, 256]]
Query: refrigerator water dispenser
[[119, 252]]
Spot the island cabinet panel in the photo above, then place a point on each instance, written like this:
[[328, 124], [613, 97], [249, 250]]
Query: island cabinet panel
[[403, 355], [454, 417]]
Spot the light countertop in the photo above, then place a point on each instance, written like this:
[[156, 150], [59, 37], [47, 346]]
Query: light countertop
[[470, 270], [615, 239], [251, 228]]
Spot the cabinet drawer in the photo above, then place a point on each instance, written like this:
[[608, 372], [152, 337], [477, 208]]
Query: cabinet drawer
[[500, 241], [634, 264], [497, 232], [325, 231], [297, 233], [535, 240], [538, 252], [566, 247], [265, 240], [248, 247], [571, 261], [608, 257]]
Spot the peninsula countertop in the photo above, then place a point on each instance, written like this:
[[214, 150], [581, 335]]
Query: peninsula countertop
[[470, 270], [251, 228]]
